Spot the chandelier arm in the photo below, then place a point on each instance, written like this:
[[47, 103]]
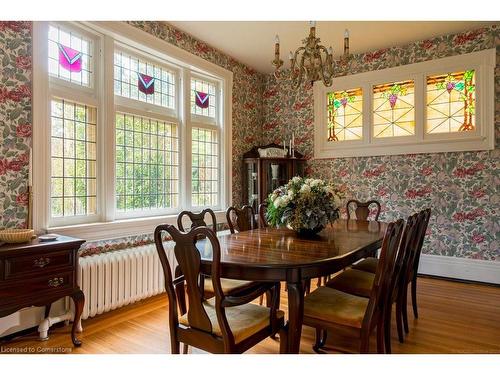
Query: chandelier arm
[[301, 68], [294, 62]]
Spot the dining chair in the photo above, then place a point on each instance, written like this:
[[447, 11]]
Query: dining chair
[[230, 286], [360, 283], [412, 270], [362, 209], [362, 212], [370, 264], [262, 215], [240, 219], [221, 324], [327, 308]]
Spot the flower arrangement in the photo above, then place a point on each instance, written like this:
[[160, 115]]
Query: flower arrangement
[[305, 205]]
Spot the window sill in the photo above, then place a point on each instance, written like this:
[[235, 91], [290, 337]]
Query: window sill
[[120, 228]]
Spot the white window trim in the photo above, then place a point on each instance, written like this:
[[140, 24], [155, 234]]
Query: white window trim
[[483, 62], [108, 225]]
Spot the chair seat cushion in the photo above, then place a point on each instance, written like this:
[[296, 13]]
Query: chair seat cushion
[[229, 286], [244, 320], [331, 305], [354, 282], [368, 265]]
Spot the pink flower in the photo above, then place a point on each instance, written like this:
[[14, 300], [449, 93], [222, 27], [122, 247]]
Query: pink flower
[[23, 130], [23, 62], [477, 238], [381, 192], [15, 165], [269, 94], [22, 199], [23, 91], [3, 166], [478, 193], [270, 125], [426, 44], [426, 171]]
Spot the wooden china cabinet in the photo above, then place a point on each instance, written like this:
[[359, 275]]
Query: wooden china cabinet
[[267, 167]]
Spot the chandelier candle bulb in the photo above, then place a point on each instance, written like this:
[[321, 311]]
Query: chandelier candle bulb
[[346, 42]]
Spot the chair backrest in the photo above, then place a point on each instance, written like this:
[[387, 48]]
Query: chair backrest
[[385, 271], [414, 257], [189, 259], [241, 219], [197, 219], [408, 240], [362, 209], [262, 215]]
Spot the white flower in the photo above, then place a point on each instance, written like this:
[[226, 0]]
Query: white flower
[[296, 179], [291, 194], [277, 202], [337, 200], [305, 189]]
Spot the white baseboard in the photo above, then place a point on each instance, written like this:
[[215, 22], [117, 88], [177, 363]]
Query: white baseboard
[[460, 268]]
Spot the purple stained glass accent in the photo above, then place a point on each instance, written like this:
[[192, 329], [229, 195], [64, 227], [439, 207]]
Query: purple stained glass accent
[[392, 100], [146, 84], [201, 99], [70, 59]]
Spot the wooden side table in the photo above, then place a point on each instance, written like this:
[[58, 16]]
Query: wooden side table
[[39, 273]]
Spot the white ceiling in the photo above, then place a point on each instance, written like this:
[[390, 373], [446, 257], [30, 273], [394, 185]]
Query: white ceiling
[[252, 42]]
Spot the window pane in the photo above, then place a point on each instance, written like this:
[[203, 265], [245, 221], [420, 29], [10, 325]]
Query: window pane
[[451, 100], [394, 109], [70, 56], [146, 164], [345, 118], [203, 99], [205, 161], [73, 172], [141, 80]]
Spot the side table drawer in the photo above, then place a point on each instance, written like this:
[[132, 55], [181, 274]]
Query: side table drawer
[[21, 266], [37, 287]]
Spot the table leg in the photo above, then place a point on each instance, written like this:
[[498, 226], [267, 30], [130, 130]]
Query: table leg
[[295, 315], [79, 300]]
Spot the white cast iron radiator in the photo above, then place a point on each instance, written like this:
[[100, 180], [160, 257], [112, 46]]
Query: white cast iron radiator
[[115, 279]]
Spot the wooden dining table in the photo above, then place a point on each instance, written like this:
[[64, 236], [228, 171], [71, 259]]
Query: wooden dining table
[[278, 254]]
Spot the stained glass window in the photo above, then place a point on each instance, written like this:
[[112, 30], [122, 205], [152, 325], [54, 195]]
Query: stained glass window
[[203, 97], [394, 109], [345, 117], [147, 163], [70, 56], [451, 100], [144, 81], [73, 159], [205, 167]]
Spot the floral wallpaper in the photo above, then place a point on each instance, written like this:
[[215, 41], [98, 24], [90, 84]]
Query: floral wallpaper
[[15, 121], [461, 188]]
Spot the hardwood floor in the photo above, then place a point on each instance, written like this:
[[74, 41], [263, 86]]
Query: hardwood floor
[[454, 318]]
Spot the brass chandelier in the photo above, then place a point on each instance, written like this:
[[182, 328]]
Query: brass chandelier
[[311, 62]]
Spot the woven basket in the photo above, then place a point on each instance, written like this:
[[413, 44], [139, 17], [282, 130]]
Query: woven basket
[[16, 235]]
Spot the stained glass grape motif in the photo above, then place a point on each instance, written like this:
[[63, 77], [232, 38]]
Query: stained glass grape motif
[[451, 102], [394, 109], [345, 120]]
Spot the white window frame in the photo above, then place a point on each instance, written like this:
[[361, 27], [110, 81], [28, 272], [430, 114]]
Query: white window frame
[[119, 35], [205, 122], [482, 138]]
